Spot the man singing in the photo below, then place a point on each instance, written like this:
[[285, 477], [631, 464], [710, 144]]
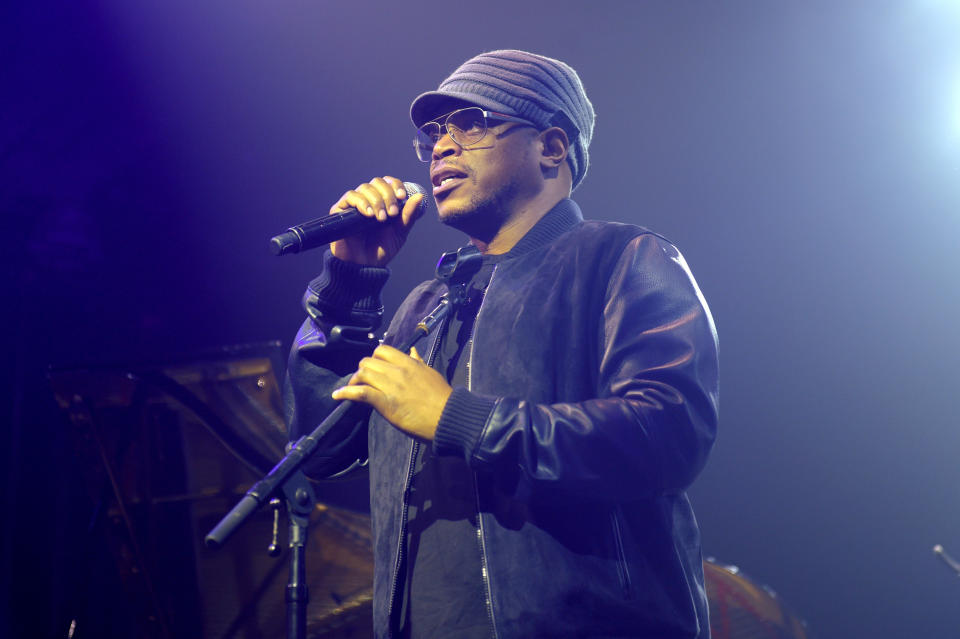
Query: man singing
[[528, 464]]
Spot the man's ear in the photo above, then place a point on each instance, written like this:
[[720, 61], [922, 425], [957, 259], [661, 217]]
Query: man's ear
[[556, 147]]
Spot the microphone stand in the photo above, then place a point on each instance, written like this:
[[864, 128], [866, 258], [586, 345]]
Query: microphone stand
[[455, 269]]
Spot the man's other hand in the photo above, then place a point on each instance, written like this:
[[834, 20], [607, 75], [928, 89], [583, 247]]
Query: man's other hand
[[402, 388]]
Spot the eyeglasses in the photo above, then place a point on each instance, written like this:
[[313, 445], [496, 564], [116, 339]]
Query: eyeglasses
[[466, 126]]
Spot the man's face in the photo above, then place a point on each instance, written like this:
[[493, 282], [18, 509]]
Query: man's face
[[479, 187]]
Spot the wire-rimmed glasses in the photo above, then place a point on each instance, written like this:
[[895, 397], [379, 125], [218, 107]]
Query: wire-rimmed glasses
[[466, 126]]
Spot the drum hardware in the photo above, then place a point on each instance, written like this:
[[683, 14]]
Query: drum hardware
[[950, 562]]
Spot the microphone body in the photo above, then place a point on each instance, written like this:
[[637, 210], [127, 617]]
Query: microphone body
[[329, 228]]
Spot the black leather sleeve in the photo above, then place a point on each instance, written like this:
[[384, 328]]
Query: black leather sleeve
[[343, 311], [654, 417]]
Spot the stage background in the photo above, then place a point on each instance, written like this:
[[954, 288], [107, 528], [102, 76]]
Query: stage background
[[804, 156]]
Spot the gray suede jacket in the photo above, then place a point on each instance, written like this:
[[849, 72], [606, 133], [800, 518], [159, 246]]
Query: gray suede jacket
[[591, 405]]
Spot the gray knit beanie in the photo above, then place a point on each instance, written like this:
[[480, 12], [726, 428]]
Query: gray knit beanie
[[545, 91]]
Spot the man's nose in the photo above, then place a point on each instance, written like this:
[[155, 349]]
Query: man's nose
[[445, 146]]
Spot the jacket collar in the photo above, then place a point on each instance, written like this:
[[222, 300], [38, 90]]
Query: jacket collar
[[561, 218]]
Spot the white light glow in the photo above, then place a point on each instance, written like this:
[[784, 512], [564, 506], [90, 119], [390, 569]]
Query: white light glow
[[956, 107]]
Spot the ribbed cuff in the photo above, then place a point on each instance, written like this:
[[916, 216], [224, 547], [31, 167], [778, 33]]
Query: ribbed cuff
[[461, 423], [348, 287]]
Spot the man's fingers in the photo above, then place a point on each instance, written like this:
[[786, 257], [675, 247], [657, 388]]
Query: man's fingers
[[388, 195], [412, 209], [358, 393], [394, 356], [382, 370], [374, 200], [388, 353], [398, 188], [371, 371], [356, 200], [382, 198], [345, 202]]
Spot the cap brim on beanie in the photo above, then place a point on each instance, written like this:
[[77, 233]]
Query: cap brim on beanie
[[541, 90], [429, 105]]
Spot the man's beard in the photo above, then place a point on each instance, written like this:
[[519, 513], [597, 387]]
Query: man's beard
[[486, 213]]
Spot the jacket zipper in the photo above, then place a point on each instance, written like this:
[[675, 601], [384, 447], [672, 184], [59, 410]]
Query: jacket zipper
[[484, 572], [414, 449], [622, 568], [473, 330]]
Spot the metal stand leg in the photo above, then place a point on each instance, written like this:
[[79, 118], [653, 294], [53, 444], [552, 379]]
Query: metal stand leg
[[300, 503]]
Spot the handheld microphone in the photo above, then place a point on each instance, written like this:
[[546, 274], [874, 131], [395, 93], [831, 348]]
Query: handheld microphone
[[329, 228]]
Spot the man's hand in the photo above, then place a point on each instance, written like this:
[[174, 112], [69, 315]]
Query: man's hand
[[380, 198], [408, 393]]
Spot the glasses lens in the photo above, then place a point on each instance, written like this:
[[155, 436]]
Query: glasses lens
[[467, 126], [426, 139]]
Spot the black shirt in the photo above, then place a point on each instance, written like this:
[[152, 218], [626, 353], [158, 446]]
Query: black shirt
[[444, 594]]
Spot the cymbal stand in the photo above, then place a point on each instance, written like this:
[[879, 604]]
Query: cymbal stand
[[951, 563]]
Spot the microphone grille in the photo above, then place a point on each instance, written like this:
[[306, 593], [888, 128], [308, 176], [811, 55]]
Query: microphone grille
[[412, 188]]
